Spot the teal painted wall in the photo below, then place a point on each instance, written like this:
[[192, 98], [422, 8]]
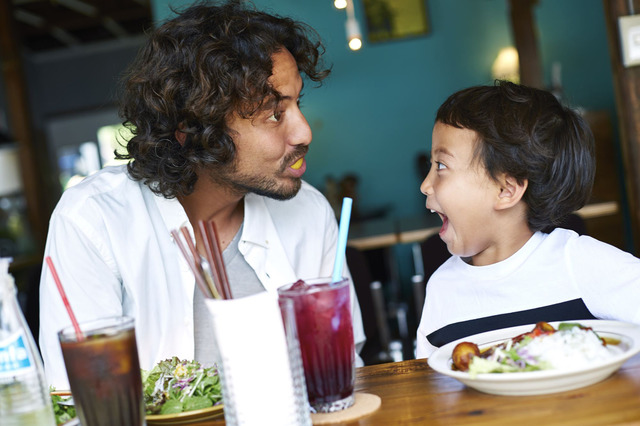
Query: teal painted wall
[[375, 112]]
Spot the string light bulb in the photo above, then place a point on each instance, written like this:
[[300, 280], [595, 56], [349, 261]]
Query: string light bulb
[[340, 4], [354, 36]]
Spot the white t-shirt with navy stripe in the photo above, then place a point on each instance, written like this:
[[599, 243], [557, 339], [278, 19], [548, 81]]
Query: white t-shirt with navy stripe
[[553, 277]]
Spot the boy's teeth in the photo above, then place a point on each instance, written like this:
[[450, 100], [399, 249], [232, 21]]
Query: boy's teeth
[[297, 164], [432, 210]]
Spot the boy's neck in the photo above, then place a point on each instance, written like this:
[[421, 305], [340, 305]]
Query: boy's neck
[[511, 234]]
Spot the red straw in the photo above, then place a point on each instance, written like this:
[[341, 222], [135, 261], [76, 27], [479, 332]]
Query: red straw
[[76, 326]]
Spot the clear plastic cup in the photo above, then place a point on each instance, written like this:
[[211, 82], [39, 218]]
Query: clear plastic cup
[[104, 372]]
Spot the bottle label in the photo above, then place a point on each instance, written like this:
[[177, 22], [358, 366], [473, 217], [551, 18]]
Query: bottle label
[[14, 356]]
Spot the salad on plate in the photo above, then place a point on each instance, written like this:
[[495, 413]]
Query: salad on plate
[[175, 386]]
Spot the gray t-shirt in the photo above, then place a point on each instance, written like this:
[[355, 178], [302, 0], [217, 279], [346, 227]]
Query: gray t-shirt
[[243, 281]]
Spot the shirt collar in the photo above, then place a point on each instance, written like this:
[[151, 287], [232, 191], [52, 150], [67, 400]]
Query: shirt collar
[[255, 215], [172, 212]]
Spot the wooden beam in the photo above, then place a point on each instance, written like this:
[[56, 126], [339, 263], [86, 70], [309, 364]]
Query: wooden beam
[[20, 124], [525, 37], [626, 82]]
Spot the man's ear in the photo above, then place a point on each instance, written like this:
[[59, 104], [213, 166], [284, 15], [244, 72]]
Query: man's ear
[[511, 191], [181, 137]]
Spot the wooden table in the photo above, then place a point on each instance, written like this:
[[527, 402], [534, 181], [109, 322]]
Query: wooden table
[[414, 394]]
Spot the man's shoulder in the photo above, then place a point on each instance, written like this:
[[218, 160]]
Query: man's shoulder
[[105, 186]]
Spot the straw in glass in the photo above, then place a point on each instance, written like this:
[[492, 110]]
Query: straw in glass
[[214, 269], [193, 260], [343, 232], [210, 236], [67, 305]]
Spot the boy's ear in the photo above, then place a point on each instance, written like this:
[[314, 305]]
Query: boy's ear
[[511, 191]]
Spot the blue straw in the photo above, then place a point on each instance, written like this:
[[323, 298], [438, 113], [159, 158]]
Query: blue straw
[[343, 231]]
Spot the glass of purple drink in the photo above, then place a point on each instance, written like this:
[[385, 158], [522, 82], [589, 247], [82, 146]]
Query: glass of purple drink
[[104, 372], [323, 321]]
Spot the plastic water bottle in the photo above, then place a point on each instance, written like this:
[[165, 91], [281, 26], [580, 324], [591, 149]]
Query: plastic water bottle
[[24, 395]]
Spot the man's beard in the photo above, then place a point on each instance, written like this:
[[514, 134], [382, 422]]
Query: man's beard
[[260, 185], [267, 186]]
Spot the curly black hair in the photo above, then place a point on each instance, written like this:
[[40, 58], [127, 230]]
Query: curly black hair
[[195, 70], [528, 134]]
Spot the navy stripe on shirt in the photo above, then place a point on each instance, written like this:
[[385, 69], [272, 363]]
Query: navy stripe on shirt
[[570, 310]]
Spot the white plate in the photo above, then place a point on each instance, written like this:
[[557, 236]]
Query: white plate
[[545, 381], [184, 418]]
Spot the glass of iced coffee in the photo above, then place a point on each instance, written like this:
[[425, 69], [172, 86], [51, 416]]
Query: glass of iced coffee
[[104, 372], [325, 332]]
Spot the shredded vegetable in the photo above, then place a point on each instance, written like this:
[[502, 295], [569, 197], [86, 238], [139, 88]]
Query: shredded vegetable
[[175, 385]]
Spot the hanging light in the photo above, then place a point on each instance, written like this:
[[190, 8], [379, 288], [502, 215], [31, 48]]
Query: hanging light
[[507, 66], [354, 36], [340, 4]]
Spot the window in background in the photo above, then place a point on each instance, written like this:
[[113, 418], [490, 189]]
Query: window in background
[[110, 139], [76, 162]]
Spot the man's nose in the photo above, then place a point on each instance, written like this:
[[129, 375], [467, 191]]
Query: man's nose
[[300, 130]]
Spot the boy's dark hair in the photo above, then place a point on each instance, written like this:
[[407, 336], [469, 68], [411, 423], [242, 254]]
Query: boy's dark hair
[[194, 71], [527, 134]]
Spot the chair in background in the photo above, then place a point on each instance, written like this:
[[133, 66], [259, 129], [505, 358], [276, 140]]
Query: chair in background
[[574, 222], [427, 257], [434, 253], [373, 308]]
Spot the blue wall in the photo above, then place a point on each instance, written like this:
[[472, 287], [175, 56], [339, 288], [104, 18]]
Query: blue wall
[[375, 113]]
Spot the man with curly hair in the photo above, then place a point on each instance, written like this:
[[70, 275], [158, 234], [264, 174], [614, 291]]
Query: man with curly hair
[[213, 103]]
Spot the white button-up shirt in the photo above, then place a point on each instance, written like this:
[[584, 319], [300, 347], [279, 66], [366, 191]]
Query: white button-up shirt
[[109, 238]]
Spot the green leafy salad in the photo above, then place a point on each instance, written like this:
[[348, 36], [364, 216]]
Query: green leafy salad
[[62, 412], [174, 386]]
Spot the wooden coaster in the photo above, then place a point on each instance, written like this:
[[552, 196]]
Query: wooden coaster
[[364, 404]]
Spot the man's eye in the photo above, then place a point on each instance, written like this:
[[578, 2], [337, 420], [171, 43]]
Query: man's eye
[[275, 117], [440, 166]]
